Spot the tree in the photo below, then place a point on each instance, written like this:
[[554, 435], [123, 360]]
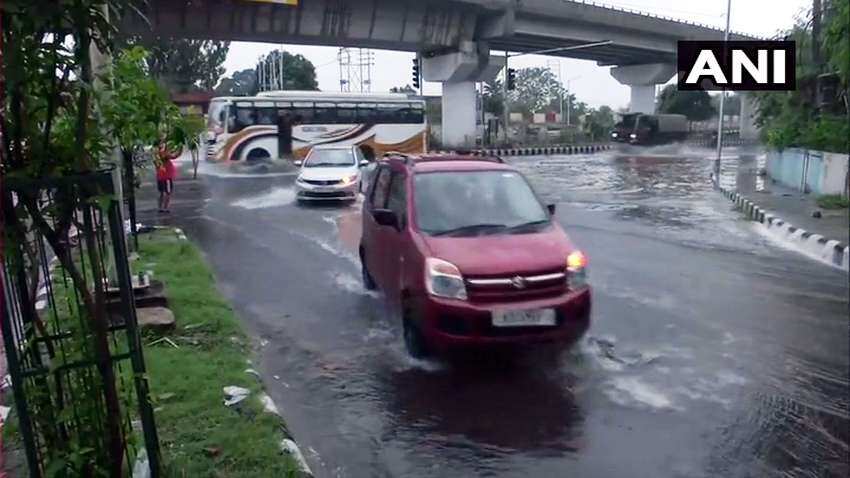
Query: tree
[[135, 115], [494, 98], [184, 65], [696, 105], [281, 70], [599, 122], [240, 83], [53, 134], [536, 88], [407, 89], [794, 118]]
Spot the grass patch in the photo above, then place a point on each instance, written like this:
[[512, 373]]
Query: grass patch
[[199, 436], [833, 201]]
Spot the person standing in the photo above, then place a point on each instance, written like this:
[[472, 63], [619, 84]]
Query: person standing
[[165, 175]]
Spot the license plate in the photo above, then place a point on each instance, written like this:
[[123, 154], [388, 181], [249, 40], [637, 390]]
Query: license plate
[[523, 318]]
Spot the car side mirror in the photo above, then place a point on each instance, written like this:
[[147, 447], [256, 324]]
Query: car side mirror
[[551, 208], [298, 162], [364, 163], [385, 217]]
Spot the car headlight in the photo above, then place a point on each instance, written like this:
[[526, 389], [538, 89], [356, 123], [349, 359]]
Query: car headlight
[[443, 279], [614, 135], [576, 270], [633, 136], [348, 180]]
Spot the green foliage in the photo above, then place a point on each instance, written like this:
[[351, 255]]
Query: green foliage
[[836, 42], [240, 83], [407, 89], [536, 89], [138, 108], [296, 71], [599, 122], [186, 382], [183, 65], [696, 105], [793, 118], [833, 201]]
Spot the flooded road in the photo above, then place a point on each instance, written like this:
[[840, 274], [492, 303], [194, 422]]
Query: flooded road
[[712, 351]]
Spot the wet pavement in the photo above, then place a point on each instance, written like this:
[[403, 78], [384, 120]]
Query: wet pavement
[[712, 351]]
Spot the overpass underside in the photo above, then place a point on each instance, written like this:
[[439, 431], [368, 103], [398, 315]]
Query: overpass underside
[[453, 37]]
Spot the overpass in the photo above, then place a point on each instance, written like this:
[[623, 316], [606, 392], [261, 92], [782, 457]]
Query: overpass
[[453, 37]]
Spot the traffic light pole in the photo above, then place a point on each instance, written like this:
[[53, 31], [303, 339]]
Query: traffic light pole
[[505, 109]]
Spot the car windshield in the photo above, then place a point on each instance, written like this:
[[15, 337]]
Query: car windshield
[[329, 158], [476, 203]]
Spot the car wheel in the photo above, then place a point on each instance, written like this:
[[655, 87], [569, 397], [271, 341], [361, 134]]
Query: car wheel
[[368, 281], [414, 342]]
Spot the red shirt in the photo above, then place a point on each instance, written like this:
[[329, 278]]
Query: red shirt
[[166, 169]]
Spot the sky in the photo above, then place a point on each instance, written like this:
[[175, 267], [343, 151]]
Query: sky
[[590, 83]]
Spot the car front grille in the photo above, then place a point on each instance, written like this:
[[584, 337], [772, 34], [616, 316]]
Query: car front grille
[[321, 182], [517, 287], [331, 194]]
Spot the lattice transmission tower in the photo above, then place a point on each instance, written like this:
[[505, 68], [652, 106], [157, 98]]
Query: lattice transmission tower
[[355, 69]]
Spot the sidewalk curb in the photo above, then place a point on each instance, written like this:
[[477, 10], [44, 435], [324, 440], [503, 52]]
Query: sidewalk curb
[[840, 254], [287, 443], [542, 150]]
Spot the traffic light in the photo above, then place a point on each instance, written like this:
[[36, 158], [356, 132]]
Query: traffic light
[[511, 78], [416, 73]]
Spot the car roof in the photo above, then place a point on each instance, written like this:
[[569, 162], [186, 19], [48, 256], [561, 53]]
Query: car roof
[[451, 162]]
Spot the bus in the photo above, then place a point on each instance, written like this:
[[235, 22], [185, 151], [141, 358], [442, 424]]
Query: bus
[[243, 129]]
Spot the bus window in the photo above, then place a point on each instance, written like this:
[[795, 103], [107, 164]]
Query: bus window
[[266, 116], [324, 113], [346, 114], [242, 117], [366, 113], [305, 111], [215, 116]]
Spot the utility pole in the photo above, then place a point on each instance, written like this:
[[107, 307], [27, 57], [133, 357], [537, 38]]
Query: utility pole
[[720, 112], [505, 102]]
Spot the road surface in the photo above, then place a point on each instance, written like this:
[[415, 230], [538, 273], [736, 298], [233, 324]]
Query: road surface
[[713, 351]]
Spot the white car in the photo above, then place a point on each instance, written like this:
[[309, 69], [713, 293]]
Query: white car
[[330, 173]]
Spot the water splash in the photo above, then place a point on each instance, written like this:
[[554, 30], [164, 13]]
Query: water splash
[[781, 235], [272, 198]]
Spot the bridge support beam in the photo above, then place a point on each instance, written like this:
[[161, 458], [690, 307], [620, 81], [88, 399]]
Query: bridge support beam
[[458, 128], [642, 80], [458, 71]]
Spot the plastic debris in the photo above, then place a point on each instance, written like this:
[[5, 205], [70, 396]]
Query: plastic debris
[[253, 372], [289, 447], [269, 405], [234, 395]]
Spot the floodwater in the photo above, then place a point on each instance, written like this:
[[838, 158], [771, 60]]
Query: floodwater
[[712, 351]]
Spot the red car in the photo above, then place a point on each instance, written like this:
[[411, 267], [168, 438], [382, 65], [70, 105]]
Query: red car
[[466, 248]]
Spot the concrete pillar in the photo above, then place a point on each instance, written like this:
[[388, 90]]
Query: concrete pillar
[[748, 128], [642, 80], [458, 71], [642, 99], [458, 128]]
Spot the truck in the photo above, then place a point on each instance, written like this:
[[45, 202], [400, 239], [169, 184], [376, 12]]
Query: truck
[[640, 128]]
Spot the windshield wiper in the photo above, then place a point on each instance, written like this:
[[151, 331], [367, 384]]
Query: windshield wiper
[[468, 229], [528, 225]]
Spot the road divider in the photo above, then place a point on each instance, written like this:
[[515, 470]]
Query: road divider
[[540, 150], [828, 250]]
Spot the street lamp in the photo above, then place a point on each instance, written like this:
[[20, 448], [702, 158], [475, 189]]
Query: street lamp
[[720, 110]]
